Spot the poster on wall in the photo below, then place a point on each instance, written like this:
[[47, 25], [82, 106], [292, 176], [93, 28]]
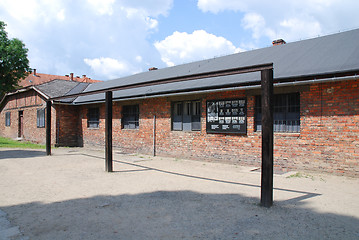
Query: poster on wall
[[227, 116]]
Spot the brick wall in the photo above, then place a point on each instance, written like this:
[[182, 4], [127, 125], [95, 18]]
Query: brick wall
[[28, 102], [68, 126], [328, 140]]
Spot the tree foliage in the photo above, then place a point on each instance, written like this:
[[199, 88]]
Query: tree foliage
[[14, 64]]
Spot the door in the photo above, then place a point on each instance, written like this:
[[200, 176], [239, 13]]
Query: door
[[21, 124]]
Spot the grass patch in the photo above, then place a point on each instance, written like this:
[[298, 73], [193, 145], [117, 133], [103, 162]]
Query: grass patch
[[301, 175], [9, 143]]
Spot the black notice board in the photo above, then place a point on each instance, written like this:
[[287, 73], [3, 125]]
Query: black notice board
[[227, 116]]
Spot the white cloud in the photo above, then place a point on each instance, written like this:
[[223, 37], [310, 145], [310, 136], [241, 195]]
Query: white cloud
[[138, 59], [152, 8], [61, 15], [151, 23], [60, 34], [291, 27], [27, 11], [110, 67], [216, 6], [102, 7], [292, 20], [182, 47]]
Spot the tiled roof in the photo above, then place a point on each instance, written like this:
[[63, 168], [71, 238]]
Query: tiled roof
[[41, 78], [58, 87]]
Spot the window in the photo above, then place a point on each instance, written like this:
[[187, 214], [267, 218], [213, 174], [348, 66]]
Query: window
[[286, 115], [7, 119], [130, 117], [41, 118], [93, 118], [186, 116]]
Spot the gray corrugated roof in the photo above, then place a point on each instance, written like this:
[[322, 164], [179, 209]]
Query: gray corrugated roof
[[80, 87], [58, 87], [319, 56]]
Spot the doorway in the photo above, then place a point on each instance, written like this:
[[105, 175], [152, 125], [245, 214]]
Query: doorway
[[21, 124]]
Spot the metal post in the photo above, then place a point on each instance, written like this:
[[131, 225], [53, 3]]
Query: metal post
[[108, 132], [267, 138], [48, 128]]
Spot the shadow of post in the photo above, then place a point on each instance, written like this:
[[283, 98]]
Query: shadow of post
[[21, 153]]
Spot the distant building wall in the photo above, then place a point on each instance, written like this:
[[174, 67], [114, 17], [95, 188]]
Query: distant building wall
[[328, 140], [28, 103]]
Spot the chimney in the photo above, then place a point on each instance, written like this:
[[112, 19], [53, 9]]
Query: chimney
[[71, 76], [34, 72], [278, 42], [152, 69]]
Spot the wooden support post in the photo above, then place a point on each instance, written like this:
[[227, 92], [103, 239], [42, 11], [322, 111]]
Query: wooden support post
[[48, 128], [267, 138], [154, 135], [108, 132]]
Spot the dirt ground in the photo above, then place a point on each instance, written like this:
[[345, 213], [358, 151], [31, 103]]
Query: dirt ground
[[69, 196]]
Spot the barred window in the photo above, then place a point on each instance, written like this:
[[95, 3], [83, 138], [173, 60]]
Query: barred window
[[130, 117], [286, 113], [186, 116], [40, 118], [7, 119], [93, 118]]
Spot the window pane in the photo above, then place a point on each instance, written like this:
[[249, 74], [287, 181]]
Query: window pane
[[177, 116], [286, 116], [187, 109], [40, 118], [130, 117], [7, 119], [186, 116], [196, 108], [196, 116], [93, 118]]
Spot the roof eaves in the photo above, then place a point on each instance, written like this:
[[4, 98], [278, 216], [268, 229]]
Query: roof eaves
[[40, 92]]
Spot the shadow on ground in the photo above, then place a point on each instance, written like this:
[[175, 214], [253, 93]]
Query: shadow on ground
[[21, 153], [141, 168], [177, 215]]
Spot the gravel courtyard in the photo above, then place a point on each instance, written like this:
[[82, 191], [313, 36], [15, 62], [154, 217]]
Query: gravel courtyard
[[69, 196]]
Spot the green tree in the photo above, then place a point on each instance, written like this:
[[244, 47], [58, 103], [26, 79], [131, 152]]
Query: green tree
[[14, 64]]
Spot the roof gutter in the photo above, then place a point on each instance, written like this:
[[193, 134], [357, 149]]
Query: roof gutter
[[282, 84]]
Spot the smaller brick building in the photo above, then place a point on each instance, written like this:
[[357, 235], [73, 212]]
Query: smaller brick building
[[24, 112], [316, 109]]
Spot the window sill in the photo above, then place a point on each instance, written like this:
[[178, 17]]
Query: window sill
[[93, 128]]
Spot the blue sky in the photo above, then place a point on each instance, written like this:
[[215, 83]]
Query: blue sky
[[107, 39]]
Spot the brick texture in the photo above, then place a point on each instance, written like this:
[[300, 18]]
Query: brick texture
[[328, 140], [28, 102]]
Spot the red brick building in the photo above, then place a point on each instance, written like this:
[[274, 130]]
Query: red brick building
[[316, 109], [25, 108]]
